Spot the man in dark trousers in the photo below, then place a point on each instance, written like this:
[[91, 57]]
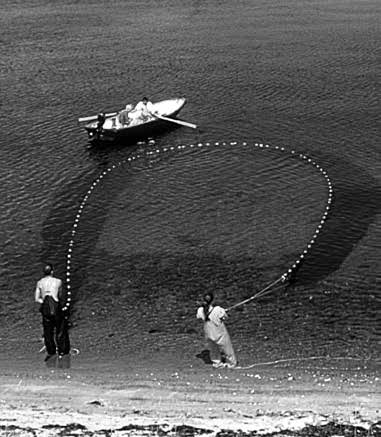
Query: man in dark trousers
[[54, 321]]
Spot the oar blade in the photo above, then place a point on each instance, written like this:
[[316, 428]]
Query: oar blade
[[83, 119]]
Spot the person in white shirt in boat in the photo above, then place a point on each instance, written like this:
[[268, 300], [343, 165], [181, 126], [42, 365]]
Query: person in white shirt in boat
[[145, 107], [55, 324], [218, 340], [142, 112]]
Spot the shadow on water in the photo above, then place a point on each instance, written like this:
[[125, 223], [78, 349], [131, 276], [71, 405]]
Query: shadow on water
[[141, 136], [356, 203], [57, 227]]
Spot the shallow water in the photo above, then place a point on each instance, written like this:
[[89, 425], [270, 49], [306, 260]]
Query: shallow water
[[230, 218]]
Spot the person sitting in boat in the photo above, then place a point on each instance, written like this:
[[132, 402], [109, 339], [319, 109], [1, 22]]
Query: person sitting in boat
[[145, 108], [124, 115], [100, 121], [142, 112]]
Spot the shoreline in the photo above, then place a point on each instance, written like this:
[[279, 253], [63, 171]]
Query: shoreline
[[94, 397]]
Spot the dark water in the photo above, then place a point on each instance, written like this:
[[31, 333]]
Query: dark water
[[157, 233]]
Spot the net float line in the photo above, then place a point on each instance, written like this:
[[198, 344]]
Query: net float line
[[168, 149]]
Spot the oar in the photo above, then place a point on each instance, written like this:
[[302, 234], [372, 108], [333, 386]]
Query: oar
[[94, 117], [183, 123]]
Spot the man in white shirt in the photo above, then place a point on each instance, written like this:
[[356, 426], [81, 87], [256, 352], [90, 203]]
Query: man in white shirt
[[48, 293], [144, 105], [145, 108]]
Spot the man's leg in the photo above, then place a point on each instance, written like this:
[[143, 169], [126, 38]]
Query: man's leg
[[50, 344], [228, 351], [62, 335], [215, 355]]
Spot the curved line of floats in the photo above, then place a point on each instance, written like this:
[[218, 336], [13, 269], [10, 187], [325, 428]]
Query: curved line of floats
[[182, 147]]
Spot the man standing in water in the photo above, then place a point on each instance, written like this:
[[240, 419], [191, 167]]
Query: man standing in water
[[48, 293]]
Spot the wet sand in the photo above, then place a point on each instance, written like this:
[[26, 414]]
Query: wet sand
[[165, 395], [149, 380]]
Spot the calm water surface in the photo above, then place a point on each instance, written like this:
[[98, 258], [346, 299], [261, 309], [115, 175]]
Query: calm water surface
[[158, 233]]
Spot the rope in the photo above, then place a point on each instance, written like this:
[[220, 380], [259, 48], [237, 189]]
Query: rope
[[286, 360], [257, 295]]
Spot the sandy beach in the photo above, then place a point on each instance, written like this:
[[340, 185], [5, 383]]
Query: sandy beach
[[100, 395]]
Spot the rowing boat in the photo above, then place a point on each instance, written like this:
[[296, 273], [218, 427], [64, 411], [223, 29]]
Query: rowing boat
[[127, 125]]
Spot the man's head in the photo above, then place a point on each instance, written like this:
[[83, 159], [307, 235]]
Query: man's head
[[208, 298], [48, 269], [145, 100]]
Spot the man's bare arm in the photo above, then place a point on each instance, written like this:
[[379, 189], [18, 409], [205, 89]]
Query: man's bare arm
[[60, 291], [37, 295]]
